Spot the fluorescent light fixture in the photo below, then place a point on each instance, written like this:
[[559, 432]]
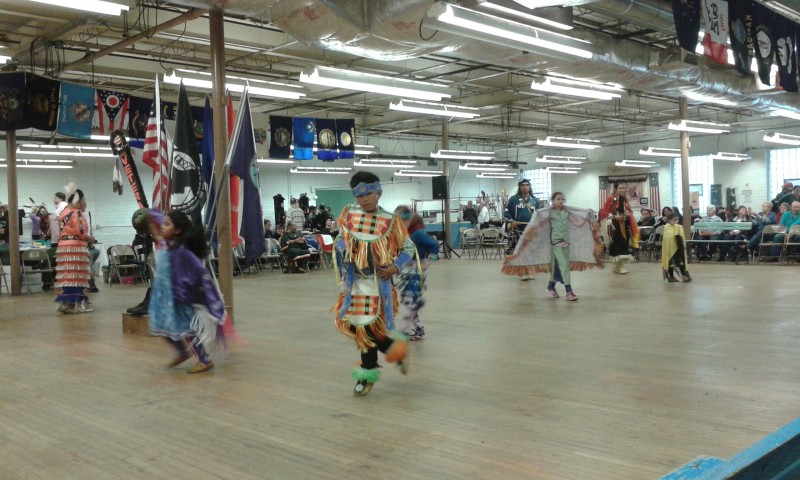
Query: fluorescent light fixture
[[182, 37], [782, 112], [103, 138], [4, 59], [709, 99], [385, 163], [434, 109], [636, 164], [660, 152], [564, 142], [463, 155], [496, 176], [701, 127], [562, 169], [65, 151], [234, 84], [418, 173], [586, 91], [369, 82], [526, 16], [95, 6], [274, 160], [561, 159], [782, 139], [731, 157], [485, 167], [492, 29], [322, 170]]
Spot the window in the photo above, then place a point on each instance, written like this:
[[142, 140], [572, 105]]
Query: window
[[541, 184], [701, 176], [784, 166]]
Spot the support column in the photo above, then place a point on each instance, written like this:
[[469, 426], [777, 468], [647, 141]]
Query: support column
[[225, 254], [13, 213], [446, 172], [683, 111]]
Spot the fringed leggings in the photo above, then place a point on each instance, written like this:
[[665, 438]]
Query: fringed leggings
[[369, 358], [197, 349]]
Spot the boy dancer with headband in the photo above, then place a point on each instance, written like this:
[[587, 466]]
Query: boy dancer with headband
[[372, 246]]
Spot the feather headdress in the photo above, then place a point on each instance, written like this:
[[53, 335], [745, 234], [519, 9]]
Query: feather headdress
[[74, 195]]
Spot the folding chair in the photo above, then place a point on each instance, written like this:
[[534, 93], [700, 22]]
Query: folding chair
[[272, 256], [470, 242], [791, 245], [645, 246], [274, 247], [3, 279], [491, 239], [122, 260], [36, 262], [326, 249], [768, 243]]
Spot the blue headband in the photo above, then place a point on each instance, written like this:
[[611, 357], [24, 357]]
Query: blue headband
[[405, 216], [366, 188]]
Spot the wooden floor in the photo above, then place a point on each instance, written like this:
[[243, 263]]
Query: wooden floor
[[630, 382]]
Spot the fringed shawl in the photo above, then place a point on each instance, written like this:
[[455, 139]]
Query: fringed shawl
[[611, 207], [669, 243], [534, 249]]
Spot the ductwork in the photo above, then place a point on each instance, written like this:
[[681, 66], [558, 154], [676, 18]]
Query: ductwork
[[393, 30]]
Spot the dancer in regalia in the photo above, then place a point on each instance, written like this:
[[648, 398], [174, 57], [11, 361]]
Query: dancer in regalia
[[619, 228], [72, 255], [372, 246], [185, 307], [673, 250], [558, 239]]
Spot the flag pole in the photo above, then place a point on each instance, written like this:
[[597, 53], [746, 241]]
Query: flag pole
[[158, 146], [223, 204]]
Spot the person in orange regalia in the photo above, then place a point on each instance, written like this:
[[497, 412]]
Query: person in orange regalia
[[372, 246], [619, 228]]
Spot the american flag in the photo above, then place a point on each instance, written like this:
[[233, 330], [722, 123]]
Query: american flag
[[156, 157]]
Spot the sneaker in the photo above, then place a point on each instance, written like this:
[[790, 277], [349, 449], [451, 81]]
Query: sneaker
[[525, 278], [553, 292], [571, 297], [362, 388], [93, 289], [200, 367]]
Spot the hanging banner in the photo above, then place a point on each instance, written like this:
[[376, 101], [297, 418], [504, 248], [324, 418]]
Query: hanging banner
[[303, 136], [346, 133], [686, 14], [139, 115], [76, 111], [327, 144], [188, 189], [741, 33], [112, 111], [280, 136], [715, 41], [763, 38], [785, 53], [120, 148], [43, 97], [13, 98]]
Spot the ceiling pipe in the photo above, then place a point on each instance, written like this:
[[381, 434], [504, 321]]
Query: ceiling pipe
[[179, 20]]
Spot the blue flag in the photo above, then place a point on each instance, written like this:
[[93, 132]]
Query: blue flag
[[346, 133], [304, 133], [327, 145], [76, 112], [243, 165]]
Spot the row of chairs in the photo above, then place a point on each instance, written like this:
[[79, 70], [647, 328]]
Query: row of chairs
[[489, 242], [274, 258]]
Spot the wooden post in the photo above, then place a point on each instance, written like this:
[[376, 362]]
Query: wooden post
[[13, 213], [225, 253], [683, 109]]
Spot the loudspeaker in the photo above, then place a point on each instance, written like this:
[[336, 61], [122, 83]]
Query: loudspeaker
[[439, 187]]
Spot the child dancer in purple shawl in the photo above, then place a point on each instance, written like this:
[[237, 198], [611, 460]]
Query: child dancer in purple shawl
[[185, 307]]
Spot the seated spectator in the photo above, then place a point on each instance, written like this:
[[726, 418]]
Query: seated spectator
[[294, 246], [704, 250], [662, 220], [268, 233], [742, 217], [330, 228], [279, 231], [782, 208], [763, 218], [646, 219], [728, 214], [787, 220], [320, 218]]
